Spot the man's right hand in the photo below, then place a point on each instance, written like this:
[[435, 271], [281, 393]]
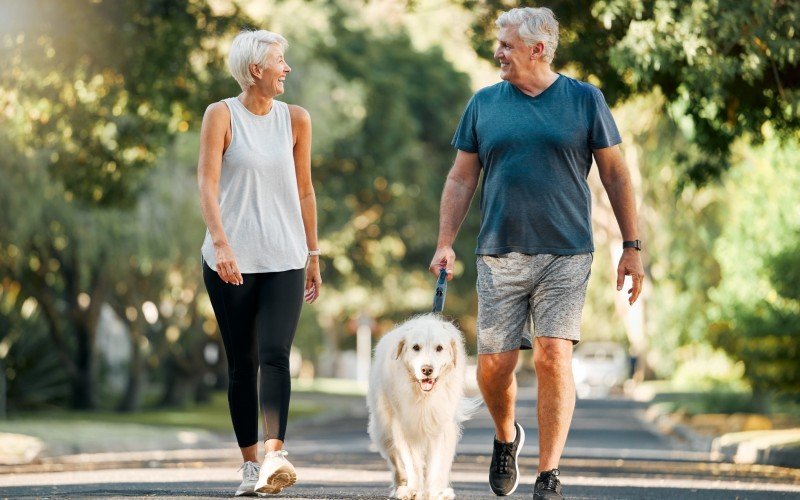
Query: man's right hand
[[227, 268], [444, 257]]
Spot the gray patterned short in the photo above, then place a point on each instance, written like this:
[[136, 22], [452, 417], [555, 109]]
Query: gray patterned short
[[514, 287]]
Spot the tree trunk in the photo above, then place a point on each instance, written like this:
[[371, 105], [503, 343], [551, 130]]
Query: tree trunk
[[83, 382], [202, 391], [132, 399], [177, 390], [2, 390]]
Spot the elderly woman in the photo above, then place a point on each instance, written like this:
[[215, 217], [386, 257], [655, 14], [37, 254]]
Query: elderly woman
[[260, 251]]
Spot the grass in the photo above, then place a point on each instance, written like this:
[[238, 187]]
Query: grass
[[206, 425], [783, 410], [308, 399], [212, 416]]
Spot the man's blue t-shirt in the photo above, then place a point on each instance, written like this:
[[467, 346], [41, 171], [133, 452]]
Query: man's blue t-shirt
[[536, 153]]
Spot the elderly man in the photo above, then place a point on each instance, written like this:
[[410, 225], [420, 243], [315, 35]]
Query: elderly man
[[534, 135]]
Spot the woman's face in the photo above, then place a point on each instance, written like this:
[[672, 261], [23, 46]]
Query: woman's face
[[272, 74]]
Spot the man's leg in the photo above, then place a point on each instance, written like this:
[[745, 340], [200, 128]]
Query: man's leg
[[552, 358], [504, 288], [499, 389], [557, 307]]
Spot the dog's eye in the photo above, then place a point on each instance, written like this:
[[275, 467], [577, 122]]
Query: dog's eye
[[439, 348], [416, 347]]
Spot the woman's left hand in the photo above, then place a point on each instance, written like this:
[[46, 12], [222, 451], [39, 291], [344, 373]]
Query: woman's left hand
[[313, 279]]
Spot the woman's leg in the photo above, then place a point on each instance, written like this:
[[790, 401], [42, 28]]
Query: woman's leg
[[235, 307], [280, 301]]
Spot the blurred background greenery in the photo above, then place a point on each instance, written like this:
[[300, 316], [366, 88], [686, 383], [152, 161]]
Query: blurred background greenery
[[101, 301]]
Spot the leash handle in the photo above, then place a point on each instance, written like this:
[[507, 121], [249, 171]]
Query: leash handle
[[441, 291]]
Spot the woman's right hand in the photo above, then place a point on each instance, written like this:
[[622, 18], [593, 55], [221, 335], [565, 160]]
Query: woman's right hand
[[227, 268]]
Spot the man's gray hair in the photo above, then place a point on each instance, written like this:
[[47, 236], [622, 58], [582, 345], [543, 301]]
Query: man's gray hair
[[534, 24], [251, 47]]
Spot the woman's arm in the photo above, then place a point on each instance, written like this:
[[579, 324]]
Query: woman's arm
[[213, 135], [301, 132]]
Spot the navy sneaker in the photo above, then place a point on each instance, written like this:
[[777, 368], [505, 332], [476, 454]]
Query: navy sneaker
[[547, 486], [504, 471]]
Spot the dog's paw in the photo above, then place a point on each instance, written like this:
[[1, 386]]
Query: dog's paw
[[445, 494], [405, 493]]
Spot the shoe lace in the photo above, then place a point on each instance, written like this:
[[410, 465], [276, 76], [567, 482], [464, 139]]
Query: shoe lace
[[503, 452], [250, 471], [549, 479]]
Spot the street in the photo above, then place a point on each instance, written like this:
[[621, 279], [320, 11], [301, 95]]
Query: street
[[612, 453]]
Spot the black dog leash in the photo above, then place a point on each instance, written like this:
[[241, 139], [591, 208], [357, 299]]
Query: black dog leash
[[441, 291]]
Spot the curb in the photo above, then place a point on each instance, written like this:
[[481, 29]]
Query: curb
[[669, 425], [769, 447], [129, 459], [778, 447]]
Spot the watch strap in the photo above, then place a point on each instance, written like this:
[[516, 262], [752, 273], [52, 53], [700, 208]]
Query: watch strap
[[637, 244]]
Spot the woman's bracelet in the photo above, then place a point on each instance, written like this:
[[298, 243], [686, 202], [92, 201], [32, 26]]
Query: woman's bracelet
[[314, 252]]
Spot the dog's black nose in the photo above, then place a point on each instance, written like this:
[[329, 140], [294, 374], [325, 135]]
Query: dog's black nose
[[427, 370]]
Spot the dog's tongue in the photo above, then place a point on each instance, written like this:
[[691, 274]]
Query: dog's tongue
[[426, 384]]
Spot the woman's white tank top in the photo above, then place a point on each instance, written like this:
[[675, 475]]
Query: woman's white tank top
[[258, 197]]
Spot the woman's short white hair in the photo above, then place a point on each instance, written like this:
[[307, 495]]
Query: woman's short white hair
[[251, 47], [534, 24]]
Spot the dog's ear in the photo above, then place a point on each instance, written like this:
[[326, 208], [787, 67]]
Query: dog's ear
[[400, 346], [453, 352]]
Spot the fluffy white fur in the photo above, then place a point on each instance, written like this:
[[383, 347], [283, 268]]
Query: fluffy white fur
[[416, 405]]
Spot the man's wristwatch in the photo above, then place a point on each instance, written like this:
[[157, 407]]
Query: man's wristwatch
[[637, 244]]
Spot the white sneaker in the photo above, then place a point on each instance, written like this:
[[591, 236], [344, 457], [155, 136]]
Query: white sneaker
[[276, 473], [249, 479]]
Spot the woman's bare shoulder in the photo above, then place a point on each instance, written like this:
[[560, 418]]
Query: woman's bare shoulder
[[299, 114], [218, 111]]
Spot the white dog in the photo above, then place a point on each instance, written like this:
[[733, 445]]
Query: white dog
[[416, 405]]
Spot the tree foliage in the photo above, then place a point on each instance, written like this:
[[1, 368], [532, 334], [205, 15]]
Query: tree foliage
[[756, 317], [103, 86], [384, 113], [727, 69], [91, 92]]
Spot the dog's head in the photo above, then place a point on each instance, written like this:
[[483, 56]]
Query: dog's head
[[429, 348]]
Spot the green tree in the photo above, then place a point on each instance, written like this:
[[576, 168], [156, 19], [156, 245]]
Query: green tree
[[103, 86], [756, 317], [384, 113], [91, 92]]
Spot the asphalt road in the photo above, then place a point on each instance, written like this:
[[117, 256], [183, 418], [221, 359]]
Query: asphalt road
[[612, 453]]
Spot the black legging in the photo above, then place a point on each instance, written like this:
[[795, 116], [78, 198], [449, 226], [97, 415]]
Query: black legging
[[258, 320]]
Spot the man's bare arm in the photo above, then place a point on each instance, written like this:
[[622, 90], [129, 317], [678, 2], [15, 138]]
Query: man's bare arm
[[462, 181], [617, 183]]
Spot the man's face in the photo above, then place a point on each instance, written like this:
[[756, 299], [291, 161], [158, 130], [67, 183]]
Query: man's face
[[512, 53]]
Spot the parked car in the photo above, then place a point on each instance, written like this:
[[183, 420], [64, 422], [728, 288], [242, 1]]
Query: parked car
[[599, 367]]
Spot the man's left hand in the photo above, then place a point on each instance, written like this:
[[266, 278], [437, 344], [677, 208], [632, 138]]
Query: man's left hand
[[630, 264]]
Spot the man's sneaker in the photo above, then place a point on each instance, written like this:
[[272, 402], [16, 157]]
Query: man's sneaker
[[249, 479], [276, 473], [504, 471], [547, 486]]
